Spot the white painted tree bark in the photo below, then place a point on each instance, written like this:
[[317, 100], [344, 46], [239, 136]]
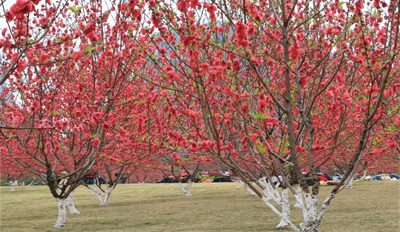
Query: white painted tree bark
[[32, 183], [188, 189], [285, 209], [350, 184], [298, 196], [96, 193], [275, 210], [322, 211], [310, 215], [271, 193], [13, 185], [247, 188], [70, 204], [107, 197], [364, 175], [308, 205], [62, 213]]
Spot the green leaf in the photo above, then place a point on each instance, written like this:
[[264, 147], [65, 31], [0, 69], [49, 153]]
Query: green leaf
[[75, 10], [89, 49], [260, 116], [260, 148]]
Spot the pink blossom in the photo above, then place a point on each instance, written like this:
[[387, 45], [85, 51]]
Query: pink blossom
[[236, 65], [123, 133], [22, 65], [164, 93], [106, 126], [22, 7], [152, 3], [76, 55], [241, 33], [245, 108], [14, 57], [9, 16], [95, 142], [294, 52], [253, 137]]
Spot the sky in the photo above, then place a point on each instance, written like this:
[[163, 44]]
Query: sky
[[6, 5]]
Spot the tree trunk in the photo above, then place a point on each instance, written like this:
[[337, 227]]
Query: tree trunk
[[188, 192], [70, 204], [364, 175], [285, 208], [188, 189], [350, 184], [13, 185], [270, 191], [322, 211], [298, 196], [32, 183], [96, 193], [311, 214], [272, 207], [62, 213], [312, 229], [247, 188], [107, 197]]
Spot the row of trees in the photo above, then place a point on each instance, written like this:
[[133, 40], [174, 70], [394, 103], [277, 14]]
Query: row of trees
[[261, 88]]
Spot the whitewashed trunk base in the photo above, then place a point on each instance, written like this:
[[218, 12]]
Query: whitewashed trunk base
[[107, 197], [276, 211], [285, 209], [364, 175], [70, 204], [188, 194], [188, 190], [350, 184], [298, 196], [247, 188], [311, 215], [32, 183], [62, 213], [96, 193], [13, 185]]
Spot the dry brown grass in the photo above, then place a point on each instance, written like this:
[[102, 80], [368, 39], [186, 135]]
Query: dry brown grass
[[370, 206]]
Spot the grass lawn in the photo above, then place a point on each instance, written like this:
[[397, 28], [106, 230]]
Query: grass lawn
[[370, 206]]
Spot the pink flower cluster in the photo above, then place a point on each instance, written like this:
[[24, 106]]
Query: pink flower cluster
[[21, 7], [294, 51], [211, 10], [241, 34]]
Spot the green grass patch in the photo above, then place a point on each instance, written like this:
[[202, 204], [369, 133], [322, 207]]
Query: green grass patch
[[371, 206]]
